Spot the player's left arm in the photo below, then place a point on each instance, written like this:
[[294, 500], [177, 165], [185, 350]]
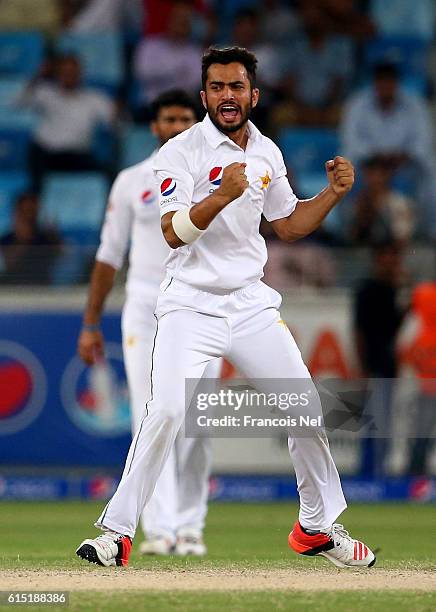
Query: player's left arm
[[309, 214]]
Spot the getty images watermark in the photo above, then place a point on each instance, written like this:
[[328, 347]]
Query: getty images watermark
[[239, 400], [366, 408]]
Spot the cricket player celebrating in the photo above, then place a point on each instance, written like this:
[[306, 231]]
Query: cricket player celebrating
[[216, 180], [176, 513]]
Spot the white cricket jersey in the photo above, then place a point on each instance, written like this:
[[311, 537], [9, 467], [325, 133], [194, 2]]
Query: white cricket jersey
[[132, 216], [231, 253]]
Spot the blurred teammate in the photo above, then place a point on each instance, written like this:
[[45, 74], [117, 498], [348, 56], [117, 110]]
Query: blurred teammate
[[179, 504], [216, 180]]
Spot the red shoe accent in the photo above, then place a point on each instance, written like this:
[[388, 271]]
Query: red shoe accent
[[126, 544], [302, 542], [360, 551]]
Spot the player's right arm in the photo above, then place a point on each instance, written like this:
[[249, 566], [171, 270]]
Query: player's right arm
[[110, 256], [91, 342], [233, 184]]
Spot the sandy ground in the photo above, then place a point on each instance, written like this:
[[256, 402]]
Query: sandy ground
[[99, 579]]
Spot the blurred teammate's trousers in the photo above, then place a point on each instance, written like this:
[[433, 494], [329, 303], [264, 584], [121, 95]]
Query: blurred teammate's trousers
[[195, 327], [179, 500]]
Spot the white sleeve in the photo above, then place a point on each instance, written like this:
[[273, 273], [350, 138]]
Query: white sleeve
[[36, 96], [173, 179], [116, 231], [104, 108], [280, 200]]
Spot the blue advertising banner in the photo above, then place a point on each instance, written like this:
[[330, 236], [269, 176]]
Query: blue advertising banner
[[221, 488], [53, 409]]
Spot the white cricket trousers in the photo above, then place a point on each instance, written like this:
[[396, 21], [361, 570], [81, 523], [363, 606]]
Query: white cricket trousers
[[180, 497], [195, 327]]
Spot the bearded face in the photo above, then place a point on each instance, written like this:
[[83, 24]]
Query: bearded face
[[229, 96]]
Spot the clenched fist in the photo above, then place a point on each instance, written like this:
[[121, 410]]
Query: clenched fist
[[234, 182], [340, 174]]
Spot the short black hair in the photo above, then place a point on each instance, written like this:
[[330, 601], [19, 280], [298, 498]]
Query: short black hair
[[227, 55], [386, 70], [172, 97]]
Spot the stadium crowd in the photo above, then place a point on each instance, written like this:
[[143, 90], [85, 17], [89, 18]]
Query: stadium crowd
[[77, 79]]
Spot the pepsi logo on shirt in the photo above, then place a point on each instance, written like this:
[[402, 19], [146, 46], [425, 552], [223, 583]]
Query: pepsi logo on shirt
[[215, 175], [147, 197], [168, 187]]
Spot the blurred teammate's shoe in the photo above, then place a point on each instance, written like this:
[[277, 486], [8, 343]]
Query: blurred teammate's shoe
[[335, 544], [190, 542], [108, 549], [156, 545]]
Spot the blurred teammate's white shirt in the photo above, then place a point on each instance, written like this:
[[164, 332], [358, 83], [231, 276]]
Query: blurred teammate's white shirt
[[132, 219], [231, 253]]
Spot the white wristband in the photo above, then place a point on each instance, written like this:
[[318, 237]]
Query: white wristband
[[184, 228]]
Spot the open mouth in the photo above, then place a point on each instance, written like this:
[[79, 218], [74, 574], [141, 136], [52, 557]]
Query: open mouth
[[229, 112]]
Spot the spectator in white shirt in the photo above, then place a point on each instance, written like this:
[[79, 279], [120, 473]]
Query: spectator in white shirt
[[385, 120], [169, 60], [70, 114]]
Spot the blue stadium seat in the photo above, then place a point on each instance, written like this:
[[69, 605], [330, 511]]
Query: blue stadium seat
[[12, 184], [101, 55], [75, 204], [16, 126], [104, 146], [411, 55], [16, 119], [14, 146], [135, 95], [10, 115], [404, 18], [21, 53], [10, 89], [305, 151], [137, 144]]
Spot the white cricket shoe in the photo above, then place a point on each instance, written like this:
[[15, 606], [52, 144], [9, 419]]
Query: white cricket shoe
[[190, 542], [347, 552], [335, 544], [108, 549], [156, 545]]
